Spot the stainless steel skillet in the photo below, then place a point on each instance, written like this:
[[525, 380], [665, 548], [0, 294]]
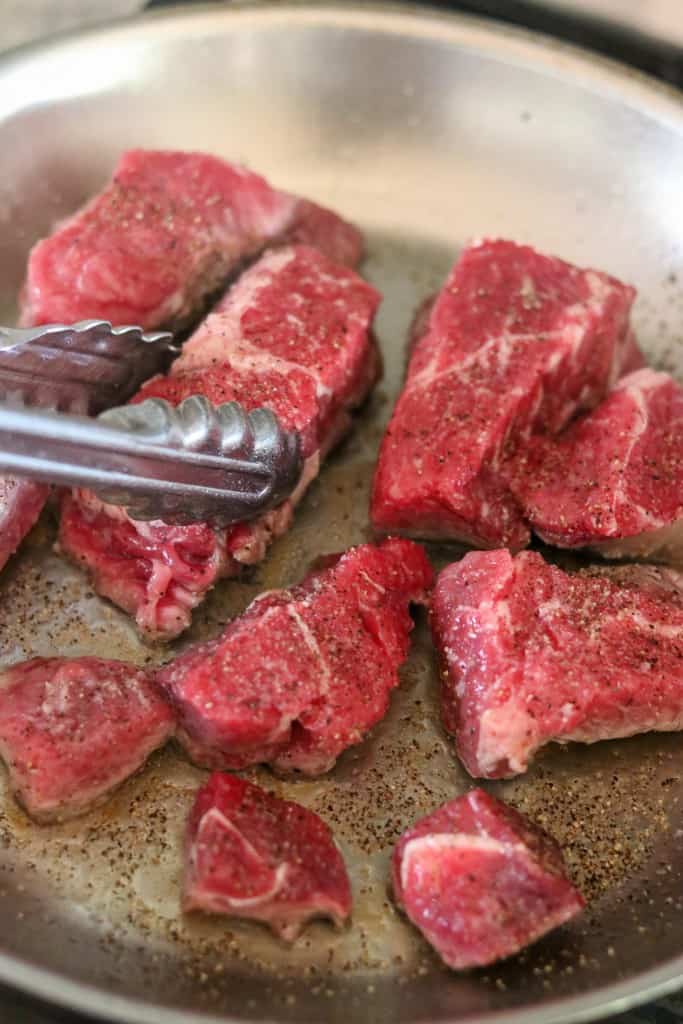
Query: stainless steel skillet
[[426, 130]]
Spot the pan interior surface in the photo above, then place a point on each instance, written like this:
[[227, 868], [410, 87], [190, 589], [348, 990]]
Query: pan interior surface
[[426, 131]]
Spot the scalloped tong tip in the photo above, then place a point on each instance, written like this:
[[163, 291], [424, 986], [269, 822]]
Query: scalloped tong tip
[[192, 463]]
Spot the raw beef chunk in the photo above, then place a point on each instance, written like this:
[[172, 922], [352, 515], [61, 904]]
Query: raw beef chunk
[[515, 341], [294, 335], [303, 673], [249, 854], [21, 502], [614, 481], [163, 235], [480, 881], [151, 249], [325, 230], [71, 730], [531, 654]]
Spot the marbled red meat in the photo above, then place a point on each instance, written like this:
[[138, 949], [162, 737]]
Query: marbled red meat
[[249, 854], [293, 334], [151, 249], [73, 729], [480, 881], [614, 480], [21, 502], [163, 235], [324, 230], [532, 654], [515, 341], [303, 673]]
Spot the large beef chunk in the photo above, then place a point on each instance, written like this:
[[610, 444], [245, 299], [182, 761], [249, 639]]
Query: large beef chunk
[[294, 334], [531, 654], [514, 342], [151, 249], [163, 235], [303, 673]]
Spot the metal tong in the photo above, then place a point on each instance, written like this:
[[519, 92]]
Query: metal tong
[[194, 462]]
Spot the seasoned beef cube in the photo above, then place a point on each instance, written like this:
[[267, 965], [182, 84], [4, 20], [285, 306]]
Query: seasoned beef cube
[[294, 335], [73, 729], [514, 342], [166, 232], [532, 655], [250, 855], [480, 881], [303, 673], [613, 482]]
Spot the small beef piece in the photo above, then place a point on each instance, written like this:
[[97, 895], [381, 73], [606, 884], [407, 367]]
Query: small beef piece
[[21, 502], [250, 855], [73, 729], [293, 334], [166, 232], [613, 482], [480, 881], [303, 673], [515, 342], [531, 655]]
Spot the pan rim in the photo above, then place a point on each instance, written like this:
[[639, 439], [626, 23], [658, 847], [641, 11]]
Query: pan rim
[[81, 997], [518, 45], [589, 71]]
